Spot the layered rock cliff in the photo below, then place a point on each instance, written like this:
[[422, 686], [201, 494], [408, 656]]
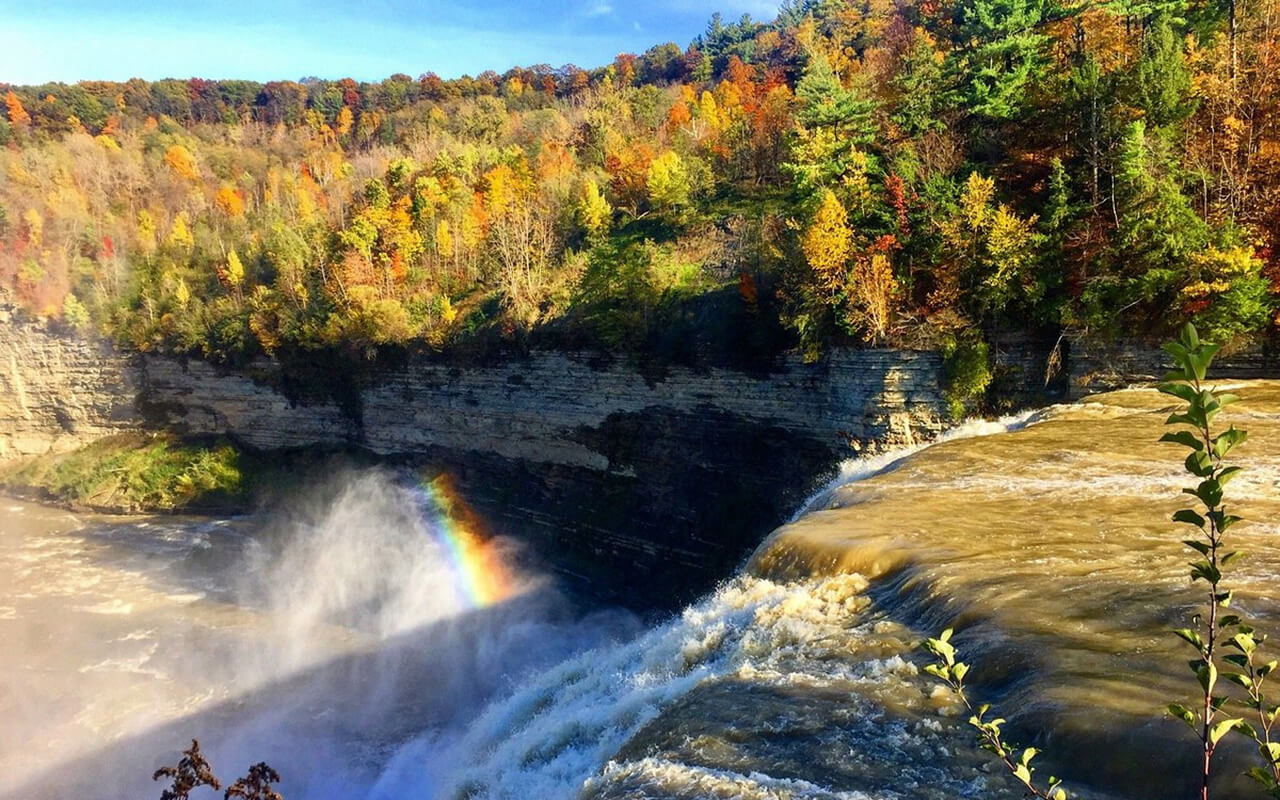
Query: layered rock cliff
[[616, 477]]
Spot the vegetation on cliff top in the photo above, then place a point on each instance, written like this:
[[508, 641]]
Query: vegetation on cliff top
[[884, 172]]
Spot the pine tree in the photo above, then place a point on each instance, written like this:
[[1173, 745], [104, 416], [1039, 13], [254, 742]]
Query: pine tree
[[1162, 80], [1004, 56]]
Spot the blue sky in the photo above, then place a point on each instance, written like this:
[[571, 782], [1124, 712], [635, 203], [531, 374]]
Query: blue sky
[[70, 40]]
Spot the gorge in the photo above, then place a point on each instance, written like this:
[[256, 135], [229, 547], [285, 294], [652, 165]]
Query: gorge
[[362, 646]]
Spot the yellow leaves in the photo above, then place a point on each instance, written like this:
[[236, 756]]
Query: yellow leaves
[[856, 185], [18, 173], [444, 239], [33, 221], [709, 113], [74, 313], [1008, 240], [182, 162], [429, 195], [874, 289], [448, 312], [344, 122], [1234, 128], [505, 191], [975, 201], [1217, 268], [107, 143], [235, 270], [1199, 289], [827, 241], [179, 234], [474, 223], [668, 181], [146, 232], [593, 210], [182, 294]]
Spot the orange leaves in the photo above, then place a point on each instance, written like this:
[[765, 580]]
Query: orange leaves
[[230, 202], [628, 168], [18, 116], [678, 116], [182, 162], [554, 162]]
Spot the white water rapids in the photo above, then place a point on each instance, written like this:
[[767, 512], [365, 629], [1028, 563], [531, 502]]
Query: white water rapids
[[335, 641]]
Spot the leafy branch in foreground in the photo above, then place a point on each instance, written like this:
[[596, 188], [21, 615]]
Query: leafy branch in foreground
[[1016, 760], [193, 770], [1215, 630]]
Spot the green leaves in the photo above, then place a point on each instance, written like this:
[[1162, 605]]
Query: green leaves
[[1183, 713], [1192, 638], [1222, 727], [1209, 492], [1226, 441], [1193, 358], [1191, 355], [990, 734]]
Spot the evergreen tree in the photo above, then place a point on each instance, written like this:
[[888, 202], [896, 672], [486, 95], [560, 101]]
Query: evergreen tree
[[1158, 228], [1162, 81], [1003, 54]]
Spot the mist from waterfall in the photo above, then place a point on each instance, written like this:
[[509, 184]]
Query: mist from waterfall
[[319, 638]]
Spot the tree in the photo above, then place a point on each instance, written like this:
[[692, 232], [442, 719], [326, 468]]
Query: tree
[[182, 162], [18, 116], [1158, 228], [827, 243], [874, 289], [669, 184], [1163, 82], [230, 202], [233, 274], [825, 103], [593, 210], [1003, 55]]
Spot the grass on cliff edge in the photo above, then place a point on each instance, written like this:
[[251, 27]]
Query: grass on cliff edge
[[142, 472]]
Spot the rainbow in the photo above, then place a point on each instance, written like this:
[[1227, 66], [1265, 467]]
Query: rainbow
[[478, 571]]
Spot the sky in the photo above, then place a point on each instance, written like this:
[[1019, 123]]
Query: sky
[[71, 40]]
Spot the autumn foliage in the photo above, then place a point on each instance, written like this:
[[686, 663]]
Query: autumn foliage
[[883, 173]]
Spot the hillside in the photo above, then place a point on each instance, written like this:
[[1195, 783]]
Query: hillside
[[908, 173]]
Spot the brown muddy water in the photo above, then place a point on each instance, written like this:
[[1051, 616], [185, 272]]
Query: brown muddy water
[[1043, 538]]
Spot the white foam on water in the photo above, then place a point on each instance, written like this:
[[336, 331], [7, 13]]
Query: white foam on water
[[662, 776], [562, 726]]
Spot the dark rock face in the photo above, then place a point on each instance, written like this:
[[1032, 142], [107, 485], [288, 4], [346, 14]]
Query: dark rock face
[[632, 485], [686, 497]]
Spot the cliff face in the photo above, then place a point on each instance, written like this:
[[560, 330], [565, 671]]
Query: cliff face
[[1097, 366], [615, 478], [58, 392]]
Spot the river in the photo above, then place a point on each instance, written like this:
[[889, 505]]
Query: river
[[363, 645]]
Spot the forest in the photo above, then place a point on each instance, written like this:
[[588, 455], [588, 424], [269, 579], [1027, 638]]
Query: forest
[[879, 172]]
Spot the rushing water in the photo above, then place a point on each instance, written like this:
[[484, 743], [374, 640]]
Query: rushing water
[[348, 642]]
